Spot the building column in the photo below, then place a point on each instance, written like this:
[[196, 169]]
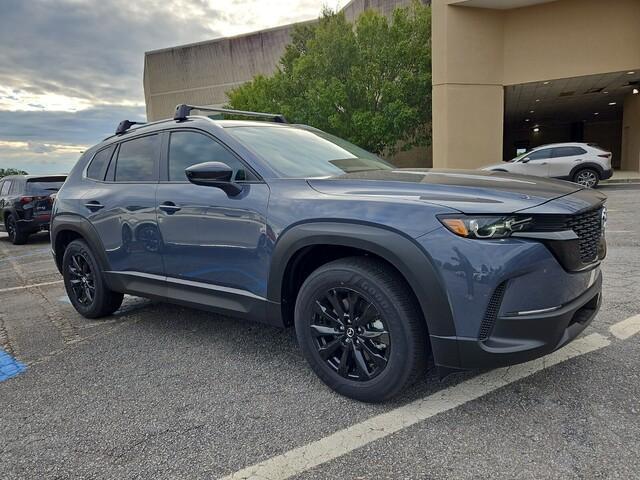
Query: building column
[[631, 134], [468, 123]]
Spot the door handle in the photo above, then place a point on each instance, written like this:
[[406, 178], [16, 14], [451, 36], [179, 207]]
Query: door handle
[[93, 205], [169, 207], [543, 163]]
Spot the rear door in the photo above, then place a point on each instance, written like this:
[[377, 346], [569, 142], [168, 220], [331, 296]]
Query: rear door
[[120, 202], [563, 159], [209, 236]]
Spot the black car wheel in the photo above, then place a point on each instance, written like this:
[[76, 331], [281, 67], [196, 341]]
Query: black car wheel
[[587, 178], [360, 329], [16, 236], [85, 284]]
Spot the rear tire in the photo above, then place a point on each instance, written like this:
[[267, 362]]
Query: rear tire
[[84, 282], [587, 177], [362, 307], [16, 235]]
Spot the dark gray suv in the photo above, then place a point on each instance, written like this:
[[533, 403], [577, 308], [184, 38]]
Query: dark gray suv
[[378, 268]]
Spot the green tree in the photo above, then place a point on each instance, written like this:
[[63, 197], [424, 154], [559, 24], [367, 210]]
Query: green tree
[[369, 83], [5, 172]]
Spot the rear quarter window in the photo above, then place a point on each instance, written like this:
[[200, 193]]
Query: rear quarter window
[[98, 166]]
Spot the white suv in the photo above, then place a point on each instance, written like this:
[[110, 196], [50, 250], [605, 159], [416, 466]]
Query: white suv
[[583, 163]]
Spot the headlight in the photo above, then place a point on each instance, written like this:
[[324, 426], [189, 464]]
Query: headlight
[[484, 227]]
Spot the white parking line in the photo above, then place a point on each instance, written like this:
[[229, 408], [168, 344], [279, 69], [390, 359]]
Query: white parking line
[[23, 287], [344, 441], [626, 328]]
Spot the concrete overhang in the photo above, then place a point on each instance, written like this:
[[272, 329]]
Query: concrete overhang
[[498, 4]]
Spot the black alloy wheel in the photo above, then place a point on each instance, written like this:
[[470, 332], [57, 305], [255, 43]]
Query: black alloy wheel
[[81, 279], [85, 283], [361, 329], [350, 335], [13, 232]]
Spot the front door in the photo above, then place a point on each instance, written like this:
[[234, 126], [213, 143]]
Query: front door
[[536, 163], [210, 237]]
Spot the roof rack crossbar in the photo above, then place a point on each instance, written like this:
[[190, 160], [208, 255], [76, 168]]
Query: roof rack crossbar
[[125, 125], [183, 111]]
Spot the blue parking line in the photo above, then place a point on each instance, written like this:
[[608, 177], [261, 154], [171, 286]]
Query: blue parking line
[[9, 366]]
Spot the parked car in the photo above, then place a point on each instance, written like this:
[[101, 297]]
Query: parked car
[[583, 163], [377, 267], [25, 204]]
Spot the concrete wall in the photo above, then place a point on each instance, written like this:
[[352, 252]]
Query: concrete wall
[[477, 51], [202, 73], [631, 134]]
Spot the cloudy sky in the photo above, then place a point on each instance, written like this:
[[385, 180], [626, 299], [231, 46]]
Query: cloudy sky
[[70, 70]]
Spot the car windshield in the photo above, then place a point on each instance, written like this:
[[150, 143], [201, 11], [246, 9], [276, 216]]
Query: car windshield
[[299, 153], [44, 186], [522, 155]]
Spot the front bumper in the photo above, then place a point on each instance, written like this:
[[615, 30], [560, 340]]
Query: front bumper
[[519, 338]]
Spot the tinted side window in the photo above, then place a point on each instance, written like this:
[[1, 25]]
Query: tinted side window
[[16, 187], [137, 160], [98, 165], [190, 148], [5, 187], [568, 151], [540, 154]]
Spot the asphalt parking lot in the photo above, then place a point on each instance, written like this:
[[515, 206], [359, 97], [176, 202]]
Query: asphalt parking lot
[[160, 391]]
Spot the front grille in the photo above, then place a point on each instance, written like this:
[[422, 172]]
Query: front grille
[[588, 227], [491, 314]]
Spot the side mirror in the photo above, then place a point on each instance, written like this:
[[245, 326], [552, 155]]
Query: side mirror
[[213, 174], [525, 160]]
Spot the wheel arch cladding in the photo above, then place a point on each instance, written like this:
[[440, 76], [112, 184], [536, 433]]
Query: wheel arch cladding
[[67, 228], [401, 252], [587, 165]]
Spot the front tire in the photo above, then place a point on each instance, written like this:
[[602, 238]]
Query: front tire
[[85, 283], [360, 329], [587, 177]]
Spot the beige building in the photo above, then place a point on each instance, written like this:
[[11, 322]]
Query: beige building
[[514, 74], [508, 75]]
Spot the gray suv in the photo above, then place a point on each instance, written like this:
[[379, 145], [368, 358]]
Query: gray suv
[[378, 268]]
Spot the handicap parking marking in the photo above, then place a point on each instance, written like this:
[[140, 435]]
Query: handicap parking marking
[[9, 366], [342, 442]]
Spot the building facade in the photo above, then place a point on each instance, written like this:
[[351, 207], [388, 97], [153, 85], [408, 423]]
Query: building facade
[[508, 75]]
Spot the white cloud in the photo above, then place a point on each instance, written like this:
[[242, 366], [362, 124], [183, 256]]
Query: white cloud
[[70, 70]]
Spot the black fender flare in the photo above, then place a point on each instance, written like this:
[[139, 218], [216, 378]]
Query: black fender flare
[[396, 248], [81, 226], [582, 166]]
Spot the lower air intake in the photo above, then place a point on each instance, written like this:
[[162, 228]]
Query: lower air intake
[[491, 313]]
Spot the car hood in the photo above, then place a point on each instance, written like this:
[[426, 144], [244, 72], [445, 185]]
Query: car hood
[[468, 191]]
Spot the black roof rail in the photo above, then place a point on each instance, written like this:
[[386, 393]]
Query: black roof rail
[[183, 111], [125, 125]]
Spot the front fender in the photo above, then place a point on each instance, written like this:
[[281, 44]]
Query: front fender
[[411, 260]]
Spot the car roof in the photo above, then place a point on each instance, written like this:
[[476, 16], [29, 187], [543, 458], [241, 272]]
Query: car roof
[[563, 144]]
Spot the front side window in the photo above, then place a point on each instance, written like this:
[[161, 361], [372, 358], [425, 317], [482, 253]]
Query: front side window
[[297, 152], [540, 154], [190, 148], [137, 160]]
